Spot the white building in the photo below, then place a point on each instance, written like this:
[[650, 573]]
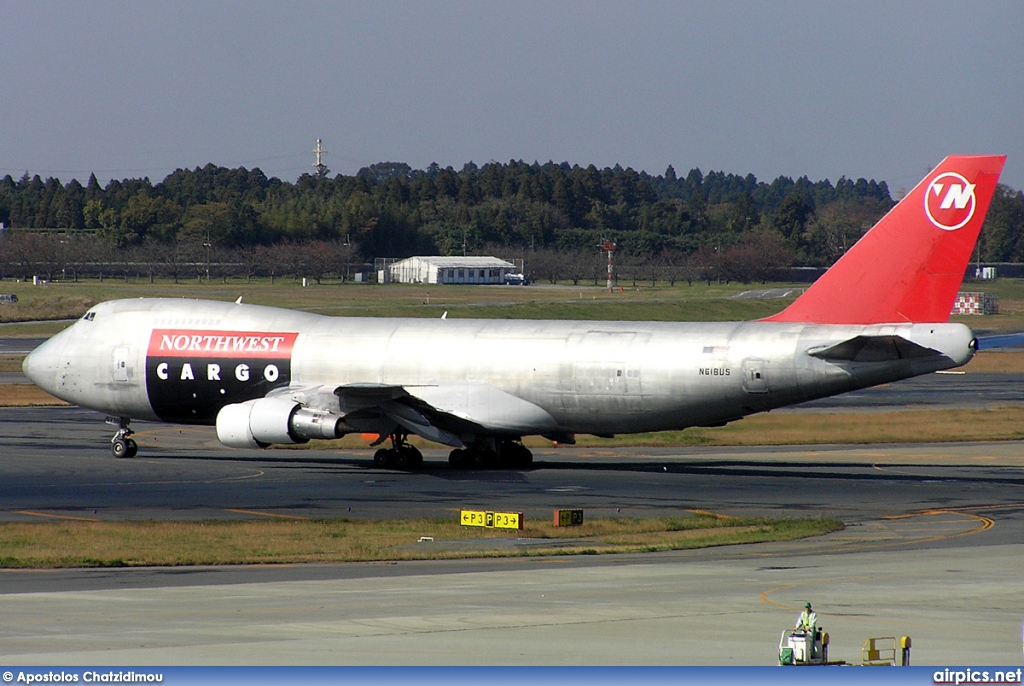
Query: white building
[[449, 270]]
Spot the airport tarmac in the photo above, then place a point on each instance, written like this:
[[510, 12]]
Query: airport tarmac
[[19, 346], [932, 549]]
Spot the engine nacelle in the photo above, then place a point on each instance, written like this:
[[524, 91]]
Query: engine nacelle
[[263, 422]]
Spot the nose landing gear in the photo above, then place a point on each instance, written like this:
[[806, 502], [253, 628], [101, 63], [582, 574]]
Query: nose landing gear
[[121, 445]]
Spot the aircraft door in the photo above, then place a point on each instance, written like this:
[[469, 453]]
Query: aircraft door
[[121, 363], [755, 379]]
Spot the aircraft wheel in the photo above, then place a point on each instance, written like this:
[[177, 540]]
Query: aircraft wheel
[[119, 447], [514, 455], [381, 458], [133, 447], [400, 458], [485, 458], [457, 458], [413, 457]]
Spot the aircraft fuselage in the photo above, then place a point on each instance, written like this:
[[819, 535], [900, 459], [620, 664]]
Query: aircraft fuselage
[[182, 361]]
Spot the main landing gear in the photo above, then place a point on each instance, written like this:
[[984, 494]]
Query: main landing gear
[[483, 454], [400, 455], [121, 445], [491, 454]]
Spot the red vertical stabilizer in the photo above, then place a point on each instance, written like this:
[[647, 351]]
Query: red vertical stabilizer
[[909, 266]]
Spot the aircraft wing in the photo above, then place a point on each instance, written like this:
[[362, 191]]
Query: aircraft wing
[[485, 406], [441, 412]]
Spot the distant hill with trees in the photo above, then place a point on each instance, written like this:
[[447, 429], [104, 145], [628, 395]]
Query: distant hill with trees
[[697, 226]]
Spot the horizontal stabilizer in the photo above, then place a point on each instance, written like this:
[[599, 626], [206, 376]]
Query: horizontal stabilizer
[[873, 349]]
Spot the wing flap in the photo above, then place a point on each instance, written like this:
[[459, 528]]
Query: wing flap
[[416, 423], [444, 412]]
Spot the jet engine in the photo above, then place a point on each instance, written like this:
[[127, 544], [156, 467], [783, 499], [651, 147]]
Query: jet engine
[[260, 423]]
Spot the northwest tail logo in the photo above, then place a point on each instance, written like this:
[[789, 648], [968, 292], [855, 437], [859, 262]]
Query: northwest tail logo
[[949, 201]]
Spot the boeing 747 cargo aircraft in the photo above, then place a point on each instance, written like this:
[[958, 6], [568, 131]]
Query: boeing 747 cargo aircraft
[[267, 376]]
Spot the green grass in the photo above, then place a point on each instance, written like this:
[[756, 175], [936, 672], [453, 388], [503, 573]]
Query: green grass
[[679, 303], [682, 302], [125, 544], [626, 310], [814, 428]]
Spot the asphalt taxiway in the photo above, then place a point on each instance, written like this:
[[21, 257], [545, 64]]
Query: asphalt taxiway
[[932, 549]]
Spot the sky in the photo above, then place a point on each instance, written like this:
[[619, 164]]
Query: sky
[[875, 89]]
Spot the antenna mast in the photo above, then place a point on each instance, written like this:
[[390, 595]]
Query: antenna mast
[[321, 168]]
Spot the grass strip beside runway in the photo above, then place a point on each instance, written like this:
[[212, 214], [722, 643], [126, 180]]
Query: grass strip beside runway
[[817, 428], [25, 395], [11, 364], [76, 543]]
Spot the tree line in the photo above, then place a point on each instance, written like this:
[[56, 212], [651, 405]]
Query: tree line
[[391, 210], [70, 256]]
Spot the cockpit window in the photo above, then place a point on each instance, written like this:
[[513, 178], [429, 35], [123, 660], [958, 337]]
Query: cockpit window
[[89, 316]]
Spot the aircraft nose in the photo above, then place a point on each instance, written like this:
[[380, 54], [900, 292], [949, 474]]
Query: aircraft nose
[[41, 365]]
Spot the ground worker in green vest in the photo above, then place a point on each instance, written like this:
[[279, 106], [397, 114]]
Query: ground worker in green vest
[[808, 623], [808, 619]]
